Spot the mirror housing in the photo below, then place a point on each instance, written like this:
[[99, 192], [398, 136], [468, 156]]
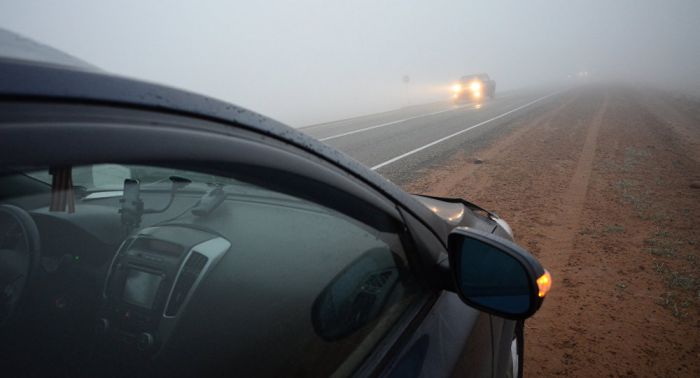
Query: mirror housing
[[495, 275]]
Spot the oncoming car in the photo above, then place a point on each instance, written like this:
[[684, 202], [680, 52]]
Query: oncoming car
[[473, 88], [147, 231]]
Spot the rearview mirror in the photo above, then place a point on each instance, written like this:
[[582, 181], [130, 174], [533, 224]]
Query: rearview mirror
[[495, 275]]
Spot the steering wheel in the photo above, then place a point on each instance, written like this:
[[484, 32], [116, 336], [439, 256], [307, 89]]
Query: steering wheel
[[19, 257]]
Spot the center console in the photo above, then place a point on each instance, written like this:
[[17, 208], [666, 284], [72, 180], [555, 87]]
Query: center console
[[150, 282]]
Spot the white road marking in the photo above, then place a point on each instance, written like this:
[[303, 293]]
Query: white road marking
[[470, 106], [388, 124], [409, 153]]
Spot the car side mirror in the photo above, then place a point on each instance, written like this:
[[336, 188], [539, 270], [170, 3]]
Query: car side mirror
[[496, 275]]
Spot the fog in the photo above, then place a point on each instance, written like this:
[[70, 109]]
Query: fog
[[304, 62]]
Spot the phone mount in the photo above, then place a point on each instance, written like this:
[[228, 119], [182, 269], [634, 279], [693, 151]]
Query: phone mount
[[132, 208], [131, 204]]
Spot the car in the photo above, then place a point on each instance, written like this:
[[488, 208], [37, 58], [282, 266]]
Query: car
[[473, 88], [148, 231]]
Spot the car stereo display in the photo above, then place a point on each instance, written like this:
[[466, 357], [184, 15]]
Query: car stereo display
[[141, 287]]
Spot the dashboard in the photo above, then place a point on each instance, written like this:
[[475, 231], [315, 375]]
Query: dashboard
[[136, 298], [150, 279]]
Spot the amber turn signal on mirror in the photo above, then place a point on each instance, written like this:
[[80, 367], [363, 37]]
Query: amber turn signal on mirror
[[495, 275], [544, 284]]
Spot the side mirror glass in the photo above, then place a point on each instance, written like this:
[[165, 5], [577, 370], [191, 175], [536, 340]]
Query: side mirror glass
[[495, 275]]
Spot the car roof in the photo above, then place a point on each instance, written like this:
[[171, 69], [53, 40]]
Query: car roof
[[479, 75], [16, 46], [70, 81]]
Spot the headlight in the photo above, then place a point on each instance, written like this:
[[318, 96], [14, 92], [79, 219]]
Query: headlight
[[475, 86], [457, 88]]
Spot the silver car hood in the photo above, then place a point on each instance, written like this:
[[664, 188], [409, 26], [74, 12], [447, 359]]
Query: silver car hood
[[456, 212]]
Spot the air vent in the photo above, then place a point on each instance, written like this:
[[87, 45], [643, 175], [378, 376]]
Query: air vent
[[187, 277], [375, 282]]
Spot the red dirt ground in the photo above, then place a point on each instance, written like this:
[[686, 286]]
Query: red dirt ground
[[602, 189]]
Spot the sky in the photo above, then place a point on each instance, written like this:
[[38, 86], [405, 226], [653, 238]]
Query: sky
[[311, 61]]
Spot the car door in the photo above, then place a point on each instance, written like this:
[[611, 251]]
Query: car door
[[414, 343]]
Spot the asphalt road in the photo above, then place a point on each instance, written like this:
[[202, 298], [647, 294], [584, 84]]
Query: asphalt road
[[401, 142]]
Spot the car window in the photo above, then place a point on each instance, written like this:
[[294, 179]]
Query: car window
[[213, 273]]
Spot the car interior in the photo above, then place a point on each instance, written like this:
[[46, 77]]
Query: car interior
[[131, 270]]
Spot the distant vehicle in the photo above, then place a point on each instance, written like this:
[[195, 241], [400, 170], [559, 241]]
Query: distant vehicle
[[473, 88]]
